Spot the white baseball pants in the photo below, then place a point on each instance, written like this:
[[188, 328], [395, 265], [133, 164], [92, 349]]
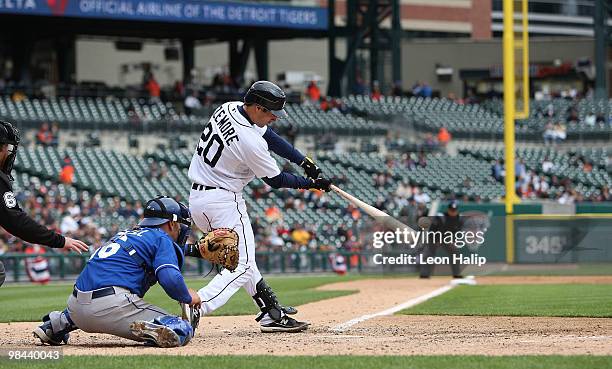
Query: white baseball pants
[[225, 209]]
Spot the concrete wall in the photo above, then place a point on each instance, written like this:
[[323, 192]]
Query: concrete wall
[[419, 57], [98, 60]]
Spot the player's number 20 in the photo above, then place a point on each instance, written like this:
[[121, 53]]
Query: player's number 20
[[209, 139]]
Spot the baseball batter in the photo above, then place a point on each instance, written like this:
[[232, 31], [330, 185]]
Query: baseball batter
[[232, 150]]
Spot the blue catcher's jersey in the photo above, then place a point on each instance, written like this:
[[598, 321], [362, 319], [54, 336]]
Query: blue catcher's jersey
[[111, 265]]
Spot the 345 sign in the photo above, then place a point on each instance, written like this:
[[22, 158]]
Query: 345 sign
[[547, 245]]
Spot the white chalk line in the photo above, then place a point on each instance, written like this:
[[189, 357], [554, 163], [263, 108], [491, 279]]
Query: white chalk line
[[405, 305]]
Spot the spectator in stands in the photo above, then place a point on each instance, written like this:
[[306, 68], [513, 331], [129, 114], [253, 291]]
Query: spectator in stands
[[153, 89], [44, 136], [313, 92], [66, 175], [69, 224], [376, 94], [403, 190], [54, 134], [547, 165], [549, 133], [590, 119], [419, 196], [497, 171], [192, 103], [559, 133], [444, 136], [572, 114], [568, 197], [360, 87], [417, 89], [601, 118], [396, 88], [422, 162], [430, 143], [426, 90], [520, 169], [324, 104], [178, 90]]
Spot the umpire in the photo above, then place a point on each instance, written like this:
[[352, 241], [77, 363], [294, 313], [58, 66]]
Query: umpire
[[450, 221], [12, 218]]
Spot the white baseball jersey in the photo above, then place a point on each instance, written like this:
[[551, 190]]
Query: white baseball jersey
[[231, 151]]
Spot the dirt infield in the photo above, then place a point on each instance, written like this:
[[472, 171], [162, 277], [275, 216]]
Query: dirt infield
[[385, 335]]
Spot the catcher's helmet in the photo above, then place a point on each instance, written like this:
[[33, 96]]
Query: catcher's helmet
[[9, 135], [267, 95], [164, 209]]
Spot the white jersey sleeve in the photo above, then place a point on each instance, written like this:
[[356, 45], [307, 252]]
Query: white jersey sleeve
[[260, 161]]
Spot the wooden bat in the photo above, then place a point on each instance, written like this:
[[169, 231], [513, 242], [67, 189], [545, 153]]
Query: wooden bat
[[384, 218]]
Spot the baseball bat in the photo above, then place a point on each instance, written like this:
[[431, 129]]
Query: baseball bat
[[385, 218]]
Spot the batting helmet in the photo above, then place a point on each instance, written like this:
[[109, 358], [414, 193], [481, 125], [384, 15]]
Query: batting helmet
[[267, 95], [164, 209], [9, 135]]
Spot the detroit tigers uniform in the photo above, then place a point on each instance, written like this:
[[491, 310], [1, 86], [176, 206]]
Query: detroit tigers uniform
[[230, 153]]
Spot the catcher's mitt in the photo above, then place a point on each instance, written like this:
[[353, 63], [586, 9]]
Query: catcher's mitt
[[220, 246]]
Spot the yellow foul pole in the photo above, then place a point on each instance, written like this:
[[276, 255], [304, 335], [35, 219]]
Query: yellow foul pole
[[509, 103]]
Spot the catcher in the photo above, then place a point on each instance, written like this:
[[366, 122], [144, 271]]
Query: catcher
[[107, 296]]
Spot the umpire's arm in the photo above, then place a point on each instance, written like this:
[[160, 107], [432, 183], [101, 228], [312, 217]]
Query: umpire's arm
[[16, 222]]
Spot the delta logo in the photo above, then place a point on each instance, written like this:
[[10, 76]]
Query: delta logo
[[58, 7]]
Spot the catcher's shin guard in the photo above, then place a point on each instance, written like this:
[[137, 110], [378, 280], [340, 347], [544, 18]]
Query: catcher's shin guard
[[268, 303], [163, 331]]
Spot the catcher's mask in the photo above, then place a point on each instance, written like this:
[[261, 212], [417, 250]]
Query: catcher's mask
[[164, 209], [9, 135]]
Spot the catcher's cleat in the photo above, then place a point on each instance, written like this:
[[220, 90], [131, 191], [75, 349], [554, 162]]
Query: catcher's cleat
[[191, 314], [155, 334], [285, 324], [44, 332]]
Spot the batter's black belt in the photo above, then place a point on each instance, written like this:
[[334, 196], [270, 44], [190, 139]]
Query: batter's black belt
[[102, 292], [199, 187]]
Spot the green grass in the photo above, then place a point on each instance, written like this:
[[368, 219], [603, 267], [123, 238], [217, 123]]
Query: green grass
[[552, 270], [568, 300], [322, 362], [30, 302]]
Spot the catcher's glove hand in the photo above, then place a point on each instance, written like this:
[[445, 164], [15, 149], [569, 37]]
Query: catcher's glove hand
[[220, 246]]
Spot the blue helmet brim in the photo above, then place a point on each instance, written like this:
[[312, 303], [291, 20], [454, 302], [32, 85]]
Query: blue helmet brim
[[150, 222]]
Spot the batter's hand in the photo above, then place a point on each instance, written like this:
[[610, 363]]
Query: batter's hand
[[310, 168], [75, 245], [322, 184]]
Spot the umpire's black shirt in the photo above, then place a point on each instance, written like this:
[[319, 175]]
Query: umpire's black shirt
[[16, 222], [447, 223]]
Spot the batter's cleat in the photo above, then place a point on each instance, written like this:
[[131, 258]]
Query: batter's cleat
[[155, 334], [289, 310], [44, 332], [286, 324], [192, 315]]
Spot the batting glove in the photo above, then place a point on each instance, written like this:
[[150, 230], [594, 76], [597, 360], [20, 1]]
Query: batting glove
[[322, 184], [310, 168]]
